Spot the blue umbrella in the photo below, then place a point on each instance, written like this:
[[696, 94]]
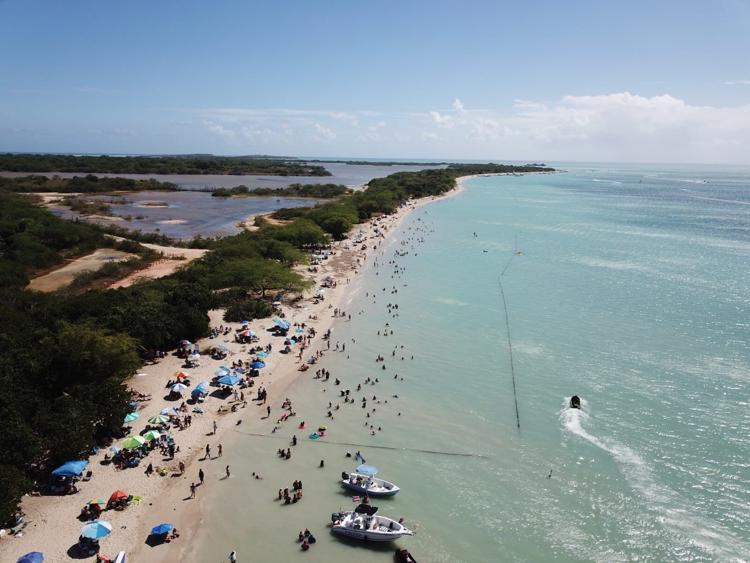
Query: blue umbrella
[[281, 324], [131, 417], [229, 380], [262, 354], [162, 529], [33, 557], [367, 470], [222, 371], [257, 364], [70, 469], [96, 529]]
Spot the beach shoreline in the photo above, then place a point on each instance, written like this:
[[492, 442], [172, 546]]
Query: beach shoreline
[[162, 495]]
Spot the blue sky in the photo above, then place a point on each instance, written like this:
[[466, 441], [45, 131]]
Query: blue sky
[[640, 81]]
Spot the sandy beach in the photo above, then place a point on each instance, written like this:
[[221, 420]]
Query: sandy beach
[[164, 497]]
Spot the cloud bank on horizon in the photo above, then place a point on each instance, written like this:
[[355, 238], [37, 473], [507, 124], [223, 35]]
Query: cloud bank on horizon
[[608, 127]]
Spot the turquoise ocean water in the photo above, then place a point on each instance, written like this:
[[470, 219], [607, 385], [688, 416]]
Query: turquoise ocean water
[[632, 290]]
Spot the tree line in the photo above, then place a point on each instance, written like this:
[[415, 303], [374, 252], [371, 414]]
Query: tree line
[[179, 164]]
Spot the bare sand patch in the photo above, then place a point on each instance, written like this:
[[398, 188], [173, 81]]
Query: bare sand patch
[[63, 276]]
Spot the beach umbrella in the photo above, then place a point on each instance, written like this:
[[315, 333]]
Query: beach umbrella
[[185, 343], [169, 410], [99, 501], [178, 388], [221, 371], [262, 354], [33, 557], [70, 469], [221, 347], [158, 419], [182, 375], [133, 442], [116, 496], [162, 529], [114, 449], [96, 529], [283, 325], [244, 322], [257, 364], [195, 356], [151, 435], [368, 470], [228, 380], [131, 417]]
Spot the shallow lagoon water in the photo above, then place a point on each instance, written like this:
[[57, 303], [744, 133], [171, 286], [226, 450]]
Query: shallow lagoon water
[[631, 291]]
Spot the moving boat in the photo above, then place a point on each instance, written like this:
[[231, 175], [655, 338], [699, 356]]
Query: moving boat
[[575, 402], [362, 523], [364, 482]]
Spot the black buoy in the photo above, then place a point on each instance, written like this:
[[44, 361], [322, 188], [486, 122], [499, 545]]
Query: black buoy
[[575, 402]]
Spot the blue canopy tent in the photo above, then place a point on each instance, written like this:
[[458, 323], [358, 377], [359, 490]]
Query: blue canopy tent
[[70, 469], [228, 380], [200, 389]]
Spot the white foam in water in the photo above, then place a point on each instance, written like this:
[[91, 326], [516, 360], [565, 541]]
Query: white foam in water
[[673, 513]]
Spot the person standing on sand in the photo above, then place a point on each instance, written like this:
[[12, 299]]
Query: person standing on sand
[[208, 452], [201, 475], [214, 427], [220, 450], [232, 557], [227, 470], [268, 410], [192, 490]]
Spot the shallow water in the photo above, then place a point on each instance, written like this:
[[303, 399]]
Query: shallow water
[[187, 213], [631, 291]]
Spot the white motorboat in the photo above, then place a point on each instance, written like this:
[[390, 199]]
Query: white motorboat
[[364, 482], [364, 524]]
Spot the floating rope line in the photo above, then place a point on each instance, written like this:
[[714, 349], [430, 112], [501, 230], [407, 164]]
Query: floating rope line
[[368, 446], [510, 347]]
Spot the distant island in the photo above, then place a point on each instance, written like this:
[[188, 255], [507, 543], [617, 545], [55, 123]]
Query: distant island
[[189, 164]]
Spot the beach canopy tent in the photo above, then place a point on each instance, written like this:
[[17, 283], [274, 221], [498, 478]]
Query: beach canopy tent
[[131, 417], [32, 557], [168, 411], [258, 364], [200, 389], [228, 380], [158, 419], [162, 529], [117, 496], [178, 388], [70, 469], [133, 442], [369, 470], [151, 435], [96, 529], [283, 325]]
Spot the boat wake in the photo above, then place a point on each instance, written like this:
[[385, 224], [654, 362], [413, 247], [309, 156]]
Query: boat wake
[[671, 511]]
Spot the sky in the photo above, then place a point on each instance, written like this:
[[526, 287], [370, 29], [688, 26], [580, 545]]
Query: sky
[[641, 81]]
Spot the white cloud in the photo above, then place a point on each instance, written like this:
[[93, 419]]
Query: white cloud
[[616, 127], [736, 83], [323, 133]]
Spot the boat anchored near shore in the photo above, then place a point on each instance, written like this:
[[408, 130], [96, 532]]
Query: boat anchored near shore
[[364, 524], [364, 482]]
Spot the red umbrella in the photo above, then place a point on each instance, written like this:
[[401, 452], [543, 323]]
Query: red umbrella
[[116, 497]]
